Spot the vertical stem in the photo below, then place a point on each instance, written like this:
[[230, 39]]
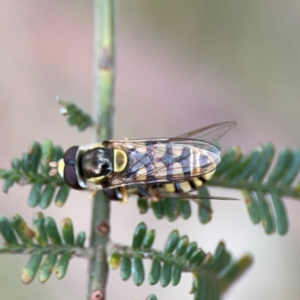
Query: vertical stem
[[104, 68]]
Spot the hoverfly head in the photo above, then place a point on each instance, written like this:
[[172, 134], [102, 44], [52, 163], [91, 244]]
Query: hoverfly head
[[66, 167]]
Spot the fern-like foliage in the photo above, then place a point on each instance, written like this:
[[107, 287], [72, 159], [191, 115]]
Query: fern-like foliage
[[262, 187], [33, 168], [42, 240], [75, 115], [151, 297], [212, 273]]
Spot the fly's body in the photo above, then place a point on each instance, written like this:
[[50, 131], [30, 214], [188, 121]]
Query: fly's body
[[174, 165]]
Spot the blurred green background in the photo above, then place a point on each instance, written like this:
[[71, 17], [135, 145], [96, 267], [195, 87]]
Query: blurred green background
[[181, 65]]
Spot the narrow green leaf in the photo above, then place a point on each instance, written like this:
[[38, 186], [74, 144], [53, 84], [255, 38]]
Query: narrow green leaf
[[154, 274], [67, 231], [165, 274], [238, 168], [171, 209], [81, 236], [25, 163], [268, 152], [58, 153], [47, 196], [267, 220], [149, 239], [47, 155], [142, 205], [52, 231], [197, 258], [207, 261], [235, 271], [222, 263], [7, 232], [182, 245], [231, 156], [139, 235], [25, 234], [35, 194], [35, 153], [176, 274], [125, 270], [217, 257], [281, 220], [30, 270], [83, 125], [219, 260], [47, 267], [39, 229], [207, 289], [151, 297], [172, 241], [114, 260], [16, 164], [138, 273], [158, 208], [293, 170], [185, 209], [62, 195], [283, 163], [190, 249], [62, 265], [255, 157], [8, 183], [72, 120], [204, 207], [252, 206]]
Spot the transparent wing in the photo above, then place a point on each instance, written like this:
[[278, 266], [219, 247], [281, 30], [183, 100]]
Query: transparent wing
[[167, 161], [210, 133]]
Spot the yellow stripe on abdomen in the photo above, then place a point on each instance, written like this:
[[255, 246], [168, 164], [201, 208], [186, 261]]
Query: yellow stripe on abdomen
[[198, 182]]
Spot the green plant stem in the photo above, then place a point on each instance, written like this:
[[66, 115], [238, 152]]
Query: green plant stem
[[104, 64]]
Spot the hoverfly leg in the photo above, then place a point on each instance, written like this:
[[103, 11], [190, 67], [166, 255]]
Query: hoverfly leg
[[124, 194], [143, 192], [154, 194], [92, 193]]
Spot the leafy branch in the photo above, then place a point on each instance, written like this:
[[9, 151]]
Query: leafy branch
[[75, 115], [263, 186], [33, 168], [212, 273], [42, 240]]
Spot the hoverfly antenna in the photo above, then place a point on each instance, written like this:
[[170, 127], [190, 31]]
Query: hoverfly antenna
[[54, 168]]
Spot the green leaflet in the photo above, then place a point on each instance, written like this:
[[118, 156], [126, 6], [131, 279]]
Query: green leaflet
[[139, 235], [138, 273]]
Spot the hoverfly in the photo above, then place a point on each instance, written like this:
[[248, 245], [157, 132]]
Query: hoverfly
[[150, 167]]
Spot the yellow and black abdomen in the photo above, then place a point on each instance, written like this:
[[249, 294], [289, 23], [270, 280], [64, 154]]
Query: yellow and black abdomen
[[170, 161]]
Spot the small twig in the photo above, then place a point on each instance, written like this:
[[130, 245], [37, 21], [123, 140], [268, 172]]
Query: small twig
[[104, 63]]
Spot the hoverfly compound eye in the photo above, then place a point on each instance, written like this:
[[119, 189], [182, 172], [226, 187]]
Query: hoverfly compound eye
[[69, 172], [70, 155], [70, 177]]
